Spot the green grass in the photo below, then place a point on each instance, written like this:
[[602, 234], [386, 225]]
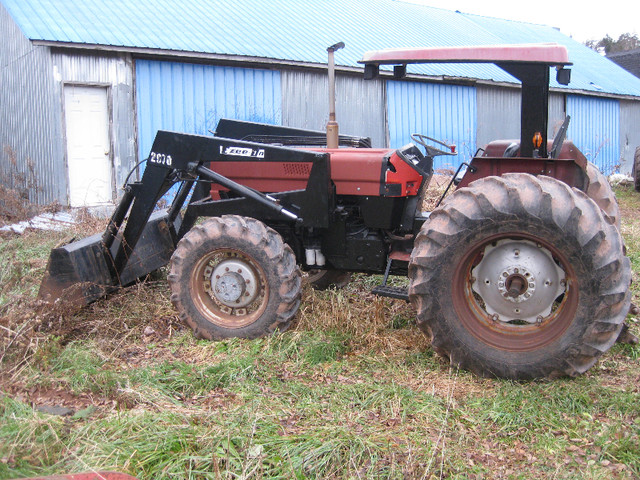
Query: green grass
[[24, 261], [351, 391]]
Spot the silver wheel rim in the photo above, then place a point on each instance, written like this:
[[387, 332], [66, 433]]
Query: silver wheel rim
[[518, 281]]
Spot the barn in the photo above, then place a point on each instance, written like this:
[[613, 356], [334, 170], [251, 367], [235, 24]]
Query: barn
[[85, 85]]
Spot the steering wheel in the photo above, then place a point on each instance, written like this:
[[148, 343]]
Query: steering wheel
[[432, 151]]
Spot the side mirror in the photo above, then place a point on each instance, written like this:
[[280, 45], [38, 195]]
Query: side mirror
[[399, 71], [563, 77], [370, 71]]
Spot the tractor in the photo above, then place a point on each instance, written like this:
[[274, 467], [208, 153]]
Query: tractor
[[519, 273]]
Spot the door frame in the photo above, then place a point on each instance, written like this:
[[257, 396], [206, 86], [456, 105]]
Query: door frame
[[107, 88]]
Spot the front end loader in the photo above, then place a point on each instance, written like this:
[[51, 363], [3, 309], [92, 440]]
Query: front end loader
[[519, 273]]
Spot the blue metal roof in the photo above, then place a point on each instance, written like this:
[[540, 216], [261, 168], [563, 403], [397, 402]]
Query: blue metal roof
[[300, 31]]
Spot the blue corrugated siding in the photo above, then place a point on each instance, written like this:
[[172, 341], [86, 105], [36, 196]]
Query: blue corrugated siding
[[445, 112], [192, 98], [595, 129]]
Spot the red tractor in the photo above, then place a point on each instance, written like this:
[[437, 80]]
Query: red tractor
[[519, 273]]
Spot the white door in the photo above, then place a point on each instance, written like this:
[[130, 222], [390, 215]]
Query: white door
[[88, 146]]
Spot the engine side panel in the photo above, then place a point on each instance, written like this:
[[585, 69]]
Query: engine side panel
[[354, 171]]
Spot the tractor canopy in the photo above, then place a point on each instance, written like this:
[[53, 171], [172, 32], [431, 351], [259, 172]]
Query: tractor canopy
[[529, 63]]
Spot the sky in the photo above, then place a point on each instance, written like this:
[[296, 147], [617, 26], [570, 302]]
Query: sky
[[582, 20]]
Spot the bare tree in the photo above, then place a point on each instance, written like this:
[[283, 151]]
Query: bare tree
[[626, 41]]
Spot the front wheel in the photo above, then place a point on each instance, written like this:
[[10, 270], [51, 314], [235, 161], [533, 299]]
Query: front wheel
[[520, 277], [233, 276]]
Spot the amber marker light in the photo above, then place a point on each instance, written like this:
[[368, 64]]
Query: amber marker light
[[537, 140]]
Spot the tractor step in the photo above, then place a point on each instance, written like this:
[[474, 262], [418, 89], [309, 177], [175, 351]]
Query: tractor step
[[401, 293]]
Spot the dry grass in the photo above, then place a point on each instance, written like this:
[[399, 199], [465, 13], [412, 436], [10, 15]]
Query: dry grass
[[351, 391], [436, 189]]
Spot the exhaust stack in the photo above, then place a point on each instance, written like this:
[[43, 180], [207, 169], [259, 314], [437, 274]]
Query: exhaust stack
[[332, 125]]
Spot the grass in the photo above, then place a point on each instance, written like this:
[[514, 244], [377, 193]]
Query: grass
[[351, 391]]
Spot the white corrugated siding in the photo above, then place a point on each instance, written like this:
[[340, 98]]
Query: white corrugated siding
[[629, 133], [31, 148], [360, 104], [499, 114]]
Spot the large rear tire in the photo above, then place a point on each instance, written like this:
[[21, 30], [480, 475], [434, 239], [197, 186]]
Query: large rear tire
[[520, 277], [233, 276], [600, 191]]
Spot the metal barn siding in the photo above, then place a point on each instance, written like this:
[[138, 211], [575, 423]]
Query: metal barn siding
[[629, 133], [192, 98], [444, 112], [360, 104], [31, 148], [498, 114], [557, 112], [595, 129], [115, 72]]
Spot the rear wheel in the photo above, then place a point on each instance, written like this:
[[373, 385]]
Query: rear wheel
[[520, 277], [233, 276], [600, 191]]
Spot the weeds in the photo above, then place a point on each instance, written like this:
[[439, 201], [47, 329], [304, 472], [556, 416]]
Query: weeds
[[352, 390]]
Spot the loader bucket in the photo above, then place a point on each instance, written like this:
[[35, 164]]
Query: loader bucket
[[81, 272], [85, 476]]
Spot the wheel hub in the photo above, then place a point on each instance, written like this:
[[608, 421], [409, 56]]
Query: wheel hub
[[233, 283], [518, 280]]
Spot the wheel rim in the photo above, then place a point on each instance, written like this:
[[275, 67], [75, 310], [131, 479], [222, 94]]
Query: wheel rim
[[229, 288], [515, 292]]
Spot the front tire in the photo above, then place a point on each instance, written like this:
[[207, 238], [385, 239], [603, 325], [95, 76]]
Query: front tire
[[520, 277], [233, 276]]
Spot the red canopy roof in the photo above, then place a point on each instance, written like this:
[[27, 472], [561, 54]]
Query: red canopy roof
[[548, 53]]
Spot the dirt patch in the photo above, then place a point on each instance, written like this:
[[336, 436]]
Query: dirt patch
[[39, 396]]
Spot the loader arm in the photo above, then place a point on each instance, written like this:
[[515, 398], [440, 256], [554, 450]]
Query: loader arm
[[139, 240]]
